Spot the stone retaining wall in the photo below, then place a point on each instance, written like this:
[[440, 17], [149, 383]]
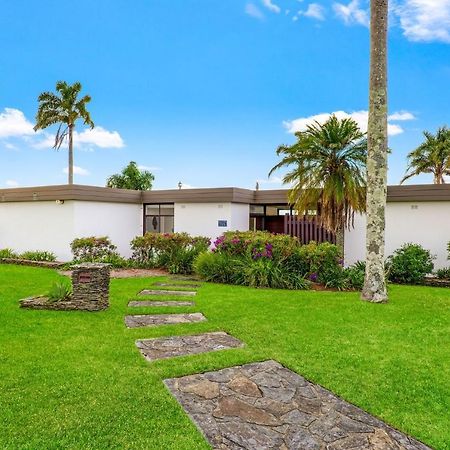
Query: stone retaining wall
[[27, 262]]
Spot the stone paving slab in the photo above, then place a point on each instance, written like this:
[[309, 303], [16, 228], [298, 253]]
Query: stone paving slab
[[179, 285], [169, 347], [145, 303], [148, 320], [266, 406], [167, 292]]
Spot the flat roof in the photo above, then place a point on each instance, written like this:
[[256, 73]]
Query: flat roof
[[404, 193]]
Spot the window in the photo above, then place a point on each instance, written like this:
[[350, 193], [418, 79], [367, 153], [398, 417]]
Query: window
[[159, 218]]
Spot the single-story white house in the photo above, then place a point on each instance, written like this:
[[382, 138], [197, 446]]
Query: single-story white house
[[50, 217]]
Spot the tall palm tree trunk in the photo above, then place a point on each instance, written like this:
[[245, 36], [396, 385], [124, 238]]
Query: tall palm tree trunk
[[70, 167], [374, 289]]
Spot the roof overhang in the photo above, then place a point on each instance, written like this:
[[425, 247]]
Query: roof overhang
[[408, 193]]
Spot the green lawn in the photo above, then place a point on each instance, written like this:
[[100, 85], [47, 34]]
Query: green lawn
[[75, 380]]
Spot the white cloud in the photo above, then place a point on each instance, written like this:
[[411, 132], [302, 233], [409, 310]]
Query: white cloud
[[401, 116], [424, 20], [99, 137], [13, 123], [360, 117], [77, 171], [12, 183], [314, 11], [271, 6], [352, 13], [253, 11]]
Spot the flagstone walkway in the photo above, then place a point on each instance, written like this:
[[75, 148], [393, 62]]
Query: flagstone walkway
[[258, 406], [169, 347], [164, 292], [266, 406], [145, 303], [148, 320]]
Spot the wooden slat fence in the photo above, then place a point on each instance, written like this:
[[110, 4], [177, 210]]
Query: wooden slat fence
[[306, 229]]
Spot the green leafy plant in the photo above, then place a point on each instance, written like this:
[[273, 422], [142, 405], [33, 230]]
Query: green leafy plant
[[444, 273], [410, 264], [175, 252], [6, 253], [38, 255], [93, 249], [60, 291], [355, 275]]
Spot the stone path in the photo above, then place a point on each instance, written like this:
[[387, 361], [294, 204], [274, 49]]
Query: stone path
[[266, 406], [178, 285], [164, 292], [144, 303], [148, 320], [169, 347]]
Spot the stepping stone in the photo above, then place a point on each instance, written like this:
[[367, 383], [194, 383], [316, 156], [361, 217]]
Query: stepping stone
[[266, 406], [163, 292], [147, 320], [144, 303], [169, 347], [175, 285]]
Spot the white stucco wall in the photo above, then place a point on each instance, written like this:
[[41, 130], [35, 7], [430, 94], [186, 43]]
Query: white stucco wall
[[201, 219], [46, 225], [121, 222], [37, 226], [424, 223]]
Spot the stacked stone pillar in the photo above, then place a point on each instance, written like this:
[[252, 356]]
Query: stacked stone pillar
[[90, 284]]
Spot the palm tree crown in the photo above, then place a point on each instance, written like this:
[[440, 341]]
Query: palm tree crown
[[432, 156], [328, 171], [63, 108]]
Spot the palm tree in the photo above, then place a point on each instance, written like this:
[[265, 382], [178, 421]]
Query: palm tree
[[328, 172], [432, 156], [63, 108], [374, 289], [131, 177]]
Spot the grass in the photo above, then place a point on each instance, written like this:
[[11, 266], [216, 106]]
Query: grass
[[75, 380]]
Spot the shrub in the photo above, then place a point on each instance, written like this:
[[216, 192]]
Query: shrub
[[38, 255], [444, 273], [219, 268], [94, 249], [6, 253], [355, 275], [241, 270], [256, 245], [60, 291], [174, 251], [410, 264]]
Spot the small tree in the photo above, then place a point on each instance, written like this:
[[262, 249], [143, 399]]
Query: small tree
[[328, 171], [63, 108], [131, 177]]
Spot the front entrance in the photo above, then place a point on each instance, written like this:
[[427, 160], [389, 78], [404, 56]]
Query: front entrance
[[281, 219]]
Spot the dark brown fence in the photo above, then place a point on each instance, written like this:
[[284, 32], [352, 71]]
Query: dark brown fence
[[306, 229]]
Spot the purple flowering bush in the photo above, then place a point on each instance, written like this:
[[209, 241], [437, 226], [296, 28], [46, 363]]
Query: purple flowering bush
[[262, 259], [256, 245]]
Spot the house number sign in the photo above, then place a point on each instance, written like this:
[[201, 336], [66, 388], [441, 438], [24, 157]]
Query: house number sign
[[84, 277]]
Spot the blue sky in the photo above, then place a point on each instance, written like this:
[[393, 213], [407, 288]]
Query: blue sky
[[203, 91]]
